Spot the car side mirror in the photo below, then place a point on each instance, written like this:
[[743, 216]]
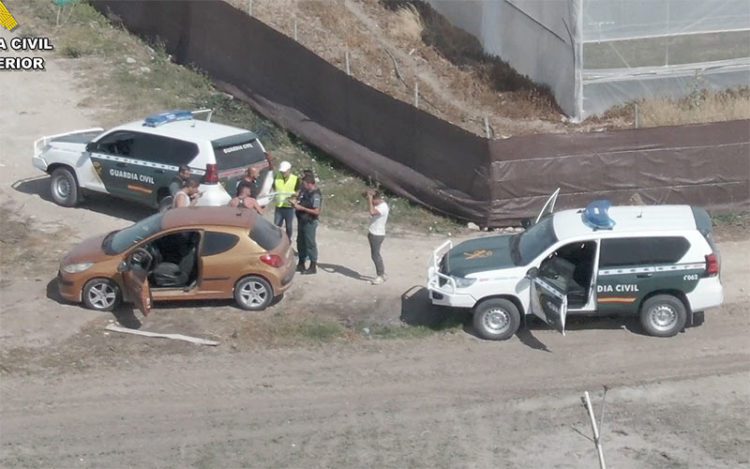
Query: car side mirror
[[526, 223], [91, 146], [532, 273], [123, 267]]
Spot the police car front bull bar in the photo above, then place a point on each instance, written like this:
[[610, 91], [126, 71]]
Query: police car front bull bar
[[434, 274]]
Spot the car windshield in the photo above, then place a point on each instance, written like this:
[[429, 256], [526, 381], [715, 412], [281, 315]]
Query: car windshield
[[119, 241], [532, 242]]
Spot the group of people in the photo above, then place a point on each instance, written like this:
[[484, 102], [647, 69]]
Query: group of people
[[295, 197]]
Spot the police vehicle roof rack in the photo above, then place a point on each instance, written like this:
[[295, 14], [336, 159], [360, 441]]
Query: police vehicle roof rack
[[596, 216], [166, 117]]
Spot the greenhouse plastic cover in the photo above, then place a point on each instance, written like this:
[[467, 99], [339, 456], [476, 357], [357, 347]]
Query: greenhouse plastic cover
[[594, 54]]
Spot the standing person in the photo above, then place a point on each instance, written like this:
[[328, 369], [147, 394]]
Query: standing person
[[251, 180], [308, 210], [179, 181], [187, 196], [245, 200], [286, 184], [376, 234]]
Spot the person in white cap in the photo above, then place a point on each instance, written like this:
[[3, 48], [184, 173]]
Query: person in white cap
[[285, 184]]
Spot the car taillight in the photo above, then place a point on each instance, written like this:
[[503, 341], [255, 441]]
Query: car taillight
[[212, 174], [273, 260], [712, 265]]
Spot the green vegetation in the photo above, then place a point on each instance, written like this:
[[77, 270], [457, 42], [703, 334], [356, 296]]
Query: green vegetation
[[128, 79]]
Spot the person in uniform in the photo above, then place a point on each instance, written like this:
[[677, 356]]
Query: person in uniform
[[286, 184], [376, 234], [179, 181], [308, 207]]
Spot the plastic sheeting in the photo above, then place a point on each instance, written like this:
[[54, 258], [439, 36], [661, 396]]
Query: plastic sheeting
[[594, 54], [430, 161]]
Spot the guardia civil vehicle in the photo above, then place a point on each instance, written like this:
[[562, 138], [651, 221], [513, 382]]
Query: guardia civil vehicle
[[138, 160], [658, 262]]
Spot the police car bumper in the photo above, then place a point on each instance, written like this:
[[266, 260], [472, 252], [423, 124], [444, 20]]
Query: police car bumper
[[446, 294], [707, 294], [39, 163]]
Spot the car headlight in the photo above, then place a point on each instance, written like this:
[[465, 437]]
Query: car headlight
[[462, 282], [76, 268]]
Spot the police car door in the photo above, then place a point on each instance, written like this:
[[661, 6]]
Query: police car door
[[549, 301], [111, 158]]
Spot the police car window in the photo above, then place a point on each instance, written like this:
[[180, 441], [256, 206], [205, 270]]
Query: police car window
[[164, 150], [118, 242], [116, 143], [216, 243], [642, 251], [266, 234], [529, 244], [238, 151]]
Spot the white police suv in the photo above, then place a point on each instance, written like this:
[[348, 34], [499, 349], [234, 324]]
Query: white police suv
[[659, 262], [137, 161]]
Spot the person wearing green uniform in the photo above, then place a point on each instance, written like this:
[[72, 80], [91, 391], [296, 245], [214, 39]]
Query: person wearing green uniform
[[308, 211]]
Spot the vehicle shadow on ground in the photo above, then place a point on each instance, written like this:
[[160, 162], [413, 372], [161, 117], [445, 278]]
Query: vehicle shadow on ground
[[417, 310], [100, 203], [345, 271], [586, 323]]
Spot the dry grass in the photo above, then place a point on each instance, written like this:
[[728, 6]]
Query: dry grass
[[697, 108], [408, 24]]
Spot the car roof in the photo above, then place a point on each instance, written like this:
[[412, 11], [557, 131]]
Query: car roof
[[628, 219], [208, 216], [191, 130]]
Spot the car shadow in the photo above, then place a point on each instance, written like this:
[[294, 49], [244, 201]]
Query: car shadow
[[345, 271], [100, 203], [418, 310]]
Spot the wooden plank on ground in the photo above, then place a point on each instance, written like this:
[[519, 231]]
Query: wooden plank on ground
[[186, 338]]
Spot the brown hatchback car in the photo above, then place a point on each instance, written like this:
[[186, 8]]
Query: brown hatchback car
[[195, 253]]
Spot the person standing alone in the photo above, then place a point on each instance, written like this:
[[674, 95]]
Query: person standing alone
[[285, 184], [376, 234], [308, 211]]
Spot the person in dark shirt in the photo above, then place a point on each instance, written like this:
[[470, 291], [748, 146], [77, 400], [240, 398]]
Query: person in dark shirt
[[179, 181], [308, 207], [251, 180]]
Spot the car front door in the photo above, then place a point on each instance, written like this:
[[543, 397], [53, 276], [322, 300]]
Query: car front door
[[135, 278], [549, 301]]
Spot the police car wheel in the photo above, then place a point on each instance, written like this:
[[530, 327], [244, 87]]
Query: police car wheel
[[101, 294], [64, 187], [253, 293], [663, 316], [496, 319]]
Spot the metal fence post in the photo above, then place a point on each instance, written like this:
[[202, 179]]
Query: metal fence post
[[250, 7], [416, 92], [348, 67]]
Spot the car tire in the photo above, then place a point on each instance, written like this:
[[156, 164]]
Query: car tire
[[101, 294], [496, 319], [253, 293], [663, 316], [64, 187]]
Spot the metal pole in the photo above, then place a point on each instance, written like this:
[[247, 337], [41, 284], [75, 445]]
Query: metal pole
[[250, 7], [416, 93], [487, 127], [295, 29], [637, 116], [597, 442], [348, 68]]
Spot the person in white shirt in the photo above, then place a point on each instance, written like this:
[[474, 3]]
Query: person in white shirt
[[376, 235]]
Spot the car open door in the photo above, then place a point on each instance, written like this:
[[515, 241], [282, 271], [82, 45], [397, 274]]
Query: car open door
[[135, 277], [548, 207], [549, 303]]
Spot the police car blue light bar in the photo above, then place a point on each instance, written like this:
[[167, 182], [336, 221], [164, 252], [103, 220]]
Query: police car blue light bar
[[165, 117], [596, 215]]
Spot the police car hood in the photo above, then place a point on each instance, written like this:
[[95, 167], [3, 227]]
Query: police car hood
[[478, 255], [74, 141]]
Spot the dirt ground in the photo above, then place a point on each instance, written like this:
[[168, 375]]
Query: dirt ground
[[74, 395]]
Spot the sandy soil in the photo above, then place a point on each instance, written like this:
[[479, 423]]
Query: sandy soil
[[73, 395]]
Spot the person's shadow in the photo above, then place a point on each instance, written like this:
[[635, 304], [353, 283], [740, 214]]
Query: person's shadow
[[345, 271]]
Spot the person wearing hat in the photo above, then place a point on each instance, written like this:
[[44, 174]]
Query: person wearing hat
[[285, 184]]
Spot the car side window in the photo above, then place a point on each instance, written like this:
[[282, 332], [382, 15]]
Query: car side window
[[164, 150], [642, 251], [117, 143], [216, 243]]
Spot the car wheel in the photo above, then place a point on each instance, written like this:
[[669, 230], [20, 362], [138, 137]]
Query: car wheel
[[101, 294], [663, 315], [64, 187], [253, 293], [496, 319]]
